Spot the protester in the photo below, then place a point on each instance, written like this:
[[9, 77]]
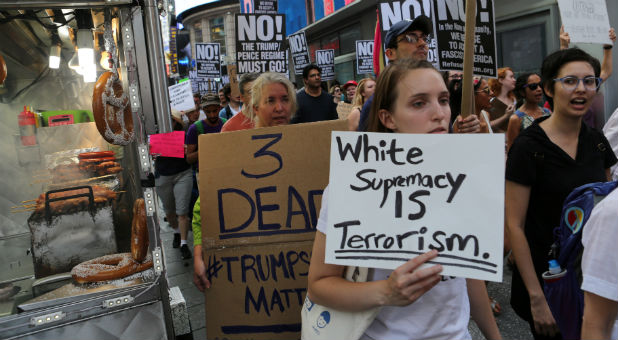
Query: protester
[[212, 124], [416, 303], [407, 39], [546, 162], [349, 90], [600, 271], [173, 185], [202, 115], [314, 104], [233, 104], [365, 90], [610, 130], [241, 121], [222, 99], [528, 89], [272, 101], [482, 102], [335, 91], [504, 100]]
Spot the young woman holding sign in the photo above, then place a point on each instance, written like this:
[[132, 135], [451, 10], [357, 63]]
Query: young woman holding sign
[[547, 161], [410, 97]]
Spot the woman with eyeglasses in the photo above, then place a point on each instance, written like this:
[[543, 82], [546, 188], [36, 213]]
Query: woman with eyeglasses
[[546, 162], [528, 90], [335, 91], [482, 102]]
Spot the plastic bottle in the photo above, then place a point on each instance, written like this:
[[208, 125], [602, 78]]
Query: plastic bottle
[[27, 127], [554, 267], [555, 273]]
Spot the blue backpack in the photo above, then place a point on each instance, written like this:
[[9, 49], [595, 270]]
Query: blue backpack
[[564, 296]]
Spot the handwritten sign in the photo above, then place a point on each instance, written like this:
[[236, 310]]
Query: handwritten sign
[[257, 292], [259, 213], [586, 21], [449, 25], [343, 110], [300, 51], [325, 59], [171, 144], [259, 43], [395, 196], [181, 96], [364, 56]]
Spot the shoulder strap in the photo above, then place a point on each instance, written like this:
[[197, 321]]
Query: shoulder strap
[[228, 112], [200, 126]]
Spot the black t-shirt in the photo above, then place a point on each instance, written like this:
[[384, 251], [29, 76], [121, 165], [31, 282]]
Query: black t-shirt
[[169, 166], [535, 161], [314, 109]]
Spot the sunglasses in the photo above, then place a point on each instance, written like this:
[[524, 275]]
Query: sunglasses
[[532, 86]]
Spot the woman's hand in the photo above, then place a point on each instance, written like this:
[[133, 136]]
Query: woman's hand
[[565, 40], [470, 124], [199, 272], [407, 283], [544, 322], [509, 110]]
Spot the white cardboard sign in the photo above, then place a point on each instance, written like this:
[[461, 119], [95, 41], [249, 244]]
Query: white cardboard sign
[[181, 96], [586, 21], [395, 196]]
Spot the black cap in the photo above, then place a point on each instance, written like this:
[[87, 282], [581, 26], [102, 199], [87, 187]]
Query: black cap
[[421, 23]]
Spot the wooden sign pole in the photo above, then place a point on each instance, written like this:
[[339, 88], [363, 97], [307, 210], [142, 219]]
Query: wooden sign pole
[[467, 92]]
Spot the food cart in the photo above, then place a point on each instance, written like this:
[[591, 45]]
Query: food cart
[[71, 178]]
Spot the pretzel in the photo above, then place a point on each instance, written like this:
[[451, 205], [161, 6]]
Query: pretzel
[[108, 267], [111, 110]]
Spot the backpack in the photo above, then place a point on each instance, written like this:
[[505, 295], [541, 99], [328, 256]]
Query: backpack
[[228, 112], [565, 296]]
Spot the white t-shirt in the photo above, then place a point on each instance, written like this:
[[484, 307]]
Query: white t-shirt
[[599, 262], [441, 313], [610, 130]]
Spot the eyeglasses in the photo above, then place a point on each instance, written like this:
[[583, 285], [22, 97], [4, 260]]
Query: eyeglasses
[[337, 90], [532, 86], [570, 83], [486, 90], [412, 38]]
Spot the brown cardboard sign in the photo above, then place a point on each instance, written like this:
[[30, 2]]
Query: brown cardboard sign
[[257, 291], [343, 110], [263, 185]]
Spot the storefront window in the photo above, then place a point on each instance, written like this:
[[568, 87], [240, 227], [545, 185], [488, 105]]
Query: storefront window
[[344, 71], [217, 32], [347, 39], [331, 42], [522, 49], [197, 28]]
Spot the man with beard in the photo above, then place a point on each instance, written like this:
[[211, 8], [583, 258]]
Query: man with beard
[[212, 124], [314, 104]]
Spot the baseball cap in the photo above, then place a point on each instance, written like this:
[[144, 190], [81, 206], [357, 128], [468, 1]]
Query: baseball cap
[[210, 99], [421, 23], [350, 82]]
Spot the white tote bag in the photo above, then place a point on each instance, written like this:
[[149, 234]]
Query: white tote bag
[[321, 322]]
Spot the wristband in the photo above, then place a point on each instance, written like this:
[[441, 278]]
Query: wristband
[[608, 47]]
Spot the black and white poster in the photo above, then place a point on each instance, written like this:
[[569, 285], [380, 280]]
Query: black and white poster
[[259, 43], [300, 51], [325, 59], [265, 6], [205, 85], [364, 56], [391, 12], [208, 60], [449, 23]]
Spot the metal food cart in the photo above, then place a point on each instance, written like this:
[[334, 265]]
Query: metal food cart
[[38, 298]]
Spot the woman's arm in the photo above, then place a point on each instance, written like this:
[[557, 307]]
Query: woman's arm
[[480, 309], [353, 119], [517, 197], [606, 66], [512, 131], [405, 285], [599, 316]]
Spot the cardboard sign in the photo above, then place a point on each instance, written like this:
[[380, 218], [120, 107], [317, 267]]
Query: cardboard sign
[[257, 291], [181, 96], [585, 21], [392, 12], [395, 196], [449, 25], [208, 60], [259, 43], [300, 51], [171, 144], [343, 110], [364, 56], [325, 59], [269, 187]]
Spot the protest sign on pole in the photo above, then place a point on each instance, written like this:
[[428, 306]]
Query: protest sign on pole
[[259, 213], [208, 60], [392, 197], [265, 6], [392, 12], [259, 43], [585, 21], [181, 96], [300, 51], [449, 25], [205, 85], [325, 59], [364, 56]]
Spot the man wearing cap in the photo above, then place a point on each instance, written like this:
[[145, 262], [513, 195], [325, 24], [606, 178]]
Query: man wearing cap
[[349, 89], [314, 105], [212, 124], [408, 39]]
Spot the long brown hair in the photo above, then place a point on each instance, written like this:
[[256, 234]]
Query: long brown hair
[[386, 93], [359, 99], [496, 86]]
